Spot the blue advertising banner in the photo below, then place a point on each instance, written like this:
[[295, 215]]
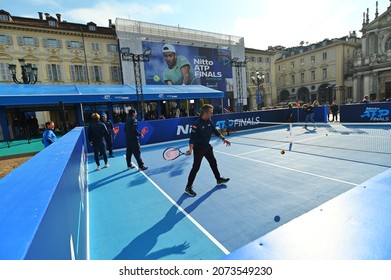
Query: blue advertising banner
[[157, 131], [369, 112], [188, 65]]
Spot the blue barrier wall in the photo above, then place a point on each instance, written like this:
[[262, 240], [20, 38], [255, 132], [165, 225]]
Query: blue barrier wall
[[43, 204], [179, 128]]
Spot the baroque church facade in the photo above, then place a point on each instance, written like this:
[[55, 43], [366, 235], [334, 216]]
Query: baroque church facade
[[372, 63]]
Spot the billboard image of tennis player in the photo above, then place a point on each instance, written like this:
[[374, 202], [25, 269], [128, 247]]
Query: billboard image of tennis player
[[173, 64]]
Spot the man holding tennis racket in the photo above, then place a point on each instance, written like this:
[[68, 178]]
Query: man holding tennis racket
[[201, 132], [132, 143]]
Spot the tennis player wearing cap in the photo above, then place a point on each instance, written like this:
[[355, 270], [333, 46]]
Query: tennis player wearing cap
[[179, 70], [201, 132]]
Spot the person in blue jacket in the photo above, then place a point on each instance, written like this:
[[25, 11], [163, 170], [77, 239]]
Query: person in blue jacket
[[48, 136]]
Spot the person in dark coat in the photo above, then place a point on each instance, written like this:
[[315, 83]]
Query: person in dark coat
[[132, 141], [96, 135]]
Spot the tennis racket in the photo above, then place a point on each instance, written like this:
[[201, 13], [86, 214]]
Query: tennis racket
[[115, 130], [172, 153], [145, 130]]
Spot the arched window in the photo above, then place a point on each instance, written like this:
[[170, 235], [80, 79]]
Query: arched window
[[388, 44]]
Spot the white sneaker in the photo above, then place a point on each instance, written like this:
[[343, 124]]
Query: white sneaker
[[107, 165], [97, 168]]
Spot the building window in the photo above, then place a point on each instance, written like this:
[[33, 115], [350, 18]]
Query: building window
[[5, 74], [325, 73], [267, 78], [78, 73], [260, 59], [52, 23], [75, 45], [92, 27], [292, 64], [324, 56], [293, 79], [388, 44], [313, 76], [4, 17], [302, 61], [312, 58], [27, 41], [115, 73], [112, 48], [95, 47], [96, 73], [302, 77], [5, 40], [52, 43], [54, 72]]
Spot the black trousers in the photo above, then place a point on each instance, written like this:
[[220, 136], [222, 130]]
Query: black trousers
[[198, 154], [99, 148], [109, 144], [133, 148]]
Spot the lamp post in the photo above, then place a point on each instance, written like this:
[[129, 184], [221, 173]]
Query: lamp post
[[258, 79], [29, 73], [238, 66], [126, 55]]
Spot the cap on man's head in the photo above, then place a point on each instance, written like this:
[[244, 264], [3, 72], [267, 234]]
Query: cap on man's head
[[104, 115], [168, 48]]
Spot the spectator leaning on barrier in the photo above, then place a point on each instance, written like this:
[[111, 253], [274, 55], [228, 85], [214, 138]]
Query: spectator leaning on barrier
[[366, 99], [48, 136]]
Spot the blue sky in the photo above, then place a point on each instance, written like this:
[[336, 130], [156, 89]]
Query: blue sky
[[262, 23]]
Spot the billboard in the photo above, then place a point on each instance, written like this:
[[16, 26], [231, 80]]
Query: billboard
[[188, 65]]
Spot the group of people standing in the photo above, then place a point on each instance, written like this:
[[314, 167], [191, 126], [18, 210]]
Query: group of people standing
[[201, 133], [100, 137], [309, 109]]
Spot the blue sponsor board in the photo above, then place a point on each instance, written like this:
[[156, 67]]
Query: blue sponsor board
[[369, 112], [180, 128]]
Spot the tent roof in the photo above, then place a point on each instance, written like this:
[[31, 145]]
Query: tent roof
[[21, 94]]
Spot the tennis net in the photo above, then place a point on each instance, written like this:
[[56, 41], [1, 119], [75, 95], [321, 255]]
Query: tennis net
[[367, 137]]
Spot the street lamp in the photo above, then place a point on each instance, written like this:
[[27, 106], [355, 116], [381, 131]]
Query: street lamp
[[126, 55], [29, 73], [238, 65], [258, 79]]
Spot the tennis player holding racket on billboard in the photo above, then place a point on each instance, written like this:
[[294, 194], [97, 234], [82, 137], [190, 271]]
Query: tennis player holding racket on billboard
[[201, 132]]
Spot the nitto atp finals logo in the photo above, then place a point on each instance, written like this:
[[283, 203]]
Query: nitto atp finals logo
[[376, 114]]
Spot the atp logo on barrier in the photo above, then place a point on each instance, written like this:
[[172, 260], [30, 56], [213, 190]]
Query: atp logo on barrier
[[376, 114]]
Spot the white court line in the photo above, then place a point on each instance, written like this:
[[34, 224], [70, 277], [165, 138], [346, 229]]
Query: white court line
[[279, 145], [187, 215], [290, 169]]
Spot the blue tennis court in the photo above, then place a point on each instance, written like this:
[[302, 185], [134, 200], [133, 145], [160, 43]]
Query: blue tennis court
[[146, 215]]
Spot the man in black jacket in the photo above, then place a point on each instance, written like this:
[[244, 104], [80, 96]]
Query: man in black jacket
[[108, 137], [96, 135], [201, 132], [132, 143]]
